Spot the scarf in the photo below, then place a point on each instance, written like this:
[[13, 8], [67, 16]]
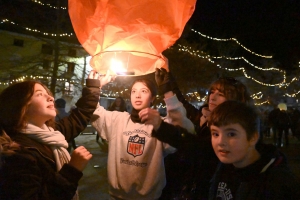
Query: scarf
[[57, 142], [135, 116], [55, 139]]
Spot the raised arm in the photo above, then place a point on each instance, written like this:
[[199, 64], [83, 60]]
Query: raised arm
[[77, 121]]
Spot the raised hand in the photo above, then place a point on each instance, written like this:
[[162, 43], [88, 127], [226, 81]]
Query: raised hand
[[93, 75], [150, 116], [162, 80], [104, 79], [80, 158]]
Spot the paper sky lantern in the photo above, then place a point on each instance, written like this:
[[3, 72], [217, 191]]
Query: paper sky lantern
[[127, 37]]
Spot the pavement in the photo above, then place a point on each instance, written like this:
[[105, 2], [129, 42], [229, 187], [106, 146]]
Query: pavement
[[94, 184]]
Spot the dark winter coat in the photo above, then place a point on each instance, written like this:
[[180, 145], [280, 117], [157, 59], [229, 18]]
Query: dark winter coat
[[268, 178], [30, 173]]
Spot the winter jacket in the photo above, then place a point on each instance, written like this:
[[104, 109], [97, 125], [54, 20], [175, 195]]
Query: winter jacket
[[198, 155], [30, 173], [268, 178], [190, 169], [135, 159]]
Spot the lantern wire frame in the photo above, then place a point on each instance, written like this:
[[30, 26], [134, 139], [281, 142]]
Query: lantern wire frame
[[134, 63]]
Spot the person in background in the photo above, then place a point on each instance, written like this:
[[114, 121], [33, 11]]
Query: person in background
[[190, 169], [248, 169], [273, 119], [283, 126], [118, 105], [60, 105], [295, 118], [35, 163], [135, 159]]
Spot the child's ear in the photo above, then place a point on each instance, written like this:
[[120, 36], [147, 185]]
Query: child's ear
[[254, 139]]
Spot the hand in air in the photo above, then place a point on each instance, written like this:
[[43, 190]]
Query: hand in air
[[93, 75], [104, 79], [150, 116], [80, 158]]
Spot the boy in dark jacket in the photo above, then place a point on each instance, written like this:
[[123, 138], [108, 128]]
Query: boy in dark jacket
[[248, 169]]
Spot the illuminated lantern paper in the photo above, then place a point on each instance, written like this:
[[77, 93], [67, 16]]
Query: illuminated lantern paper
[[130, 34]]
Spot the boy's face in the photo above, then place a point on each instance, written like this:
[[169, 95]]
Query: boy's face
[[231, 145]]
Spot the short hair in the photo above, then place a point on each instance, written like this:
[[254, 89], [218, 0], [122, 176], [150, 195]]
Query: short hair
[[60, 103], [235, 112], [233, 89]]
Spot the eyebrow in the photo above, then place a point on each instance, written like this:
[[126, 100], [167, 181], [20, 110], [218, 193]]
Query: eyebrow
[[230, 129], [141, 89], [227, 129], [38, 90]]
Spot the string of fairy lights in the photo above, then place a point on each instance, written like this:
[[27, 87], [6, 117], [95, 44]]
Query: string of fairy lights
[[35, 30], [230, 39], [210, 59], [49, 5], [183, 48]]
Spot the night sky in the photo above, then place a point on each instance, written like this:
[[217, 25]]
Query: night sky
[[270, 27]]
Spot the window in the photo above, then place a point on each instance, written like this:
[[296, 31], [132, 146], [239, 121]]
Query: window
[[71, 67], [68, 90], [47, 49], [72, 52], [46, 64], [18, 42]]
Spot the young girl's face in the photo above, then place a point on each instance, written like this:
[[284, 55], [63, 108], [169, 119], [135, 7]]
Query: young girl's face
[[231, 145], [141, 96], [40, 107], [215, 98]]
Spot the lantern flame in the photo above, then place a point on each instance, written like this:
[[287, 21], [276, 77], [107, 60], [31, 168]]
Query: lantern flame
[[117, 66]]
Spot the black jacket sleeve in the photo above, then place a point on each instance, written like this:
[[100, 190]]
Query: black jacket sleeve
[[176, 136], [192, 112], [72, 125]]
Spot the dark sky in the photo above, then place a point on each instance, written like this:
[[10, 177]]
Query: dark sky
[[264, 26]]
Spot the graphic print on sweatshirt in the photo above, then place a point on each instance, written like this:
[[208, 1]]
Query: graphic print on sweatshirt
[[223, 192], [135, 145]]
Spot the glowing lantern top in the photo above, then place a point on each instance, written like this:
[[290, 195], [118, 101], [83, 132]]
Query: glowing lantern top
[[129, 34]]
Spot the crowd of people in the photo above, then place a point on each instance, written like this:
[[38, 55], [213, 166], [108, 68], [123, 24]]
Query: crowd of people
[[214, 152], [280, 123]]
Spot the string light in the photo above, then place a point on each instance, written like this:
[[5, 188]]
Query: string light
[[37, 31], [210, 59], [259, 104], [230, 39], [49, 5]]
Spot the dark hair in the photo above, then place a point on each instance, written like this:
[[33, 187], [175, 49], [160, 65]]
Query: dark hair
[[14, 104], [122, 106], [232, 89], [150, 84], [60, 103], [235, 112]]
